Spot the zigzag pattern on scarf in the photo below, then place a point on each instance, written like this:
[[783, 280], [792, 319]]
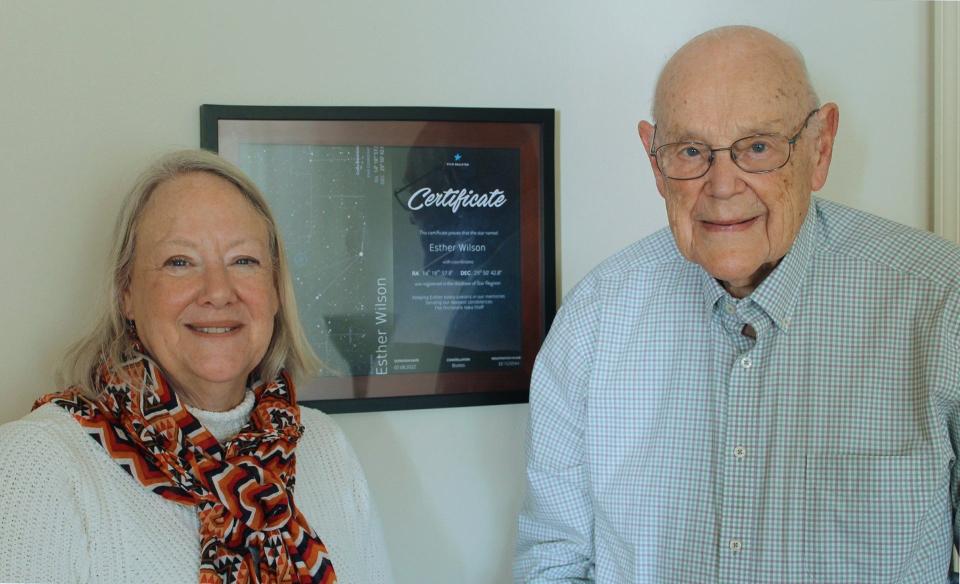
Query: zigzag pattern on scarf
[[250, 528]]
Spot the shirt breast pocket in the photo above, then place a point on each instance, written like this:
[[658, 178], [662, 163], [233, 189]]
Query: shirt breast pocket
[[863, 515]]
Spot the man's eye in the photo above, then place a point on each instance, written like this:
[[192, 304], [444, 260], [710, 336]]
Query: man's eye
[[758, 147], [690, 152]]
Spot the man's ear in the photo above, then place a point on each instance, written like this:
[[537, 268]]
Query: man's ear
[[829, 122], [647, 132]]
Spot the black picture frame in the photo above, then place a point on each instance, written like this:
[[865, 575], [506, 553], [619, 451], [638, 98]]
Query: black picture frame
[[514, 145]]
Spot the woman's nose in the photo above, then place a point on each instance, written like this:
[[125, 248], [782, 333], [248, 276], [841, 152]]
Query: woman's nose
[[218, 287]]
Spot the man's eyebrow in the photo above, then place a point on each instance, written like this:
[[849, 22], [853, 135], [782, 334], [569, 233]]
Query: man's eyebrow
[[771, 126], [668, 136], [768, 126], [690, 137]]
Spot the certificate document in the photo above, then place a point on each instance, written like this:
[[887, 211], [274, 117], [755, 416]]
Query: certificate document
[[407, 259], [420, 244]]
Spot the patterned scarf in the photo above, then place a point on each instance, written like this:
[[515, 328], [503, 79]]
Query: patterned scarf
[[250, 528]]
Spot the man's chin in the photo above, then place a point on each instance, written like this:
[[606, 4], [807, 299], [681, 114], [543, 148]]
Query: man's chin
[[740, 278], [736, 276]]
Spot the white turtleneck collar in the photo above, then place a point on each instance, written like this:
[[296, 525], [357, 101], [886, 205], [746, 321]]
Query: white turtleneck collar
[[225, 425]]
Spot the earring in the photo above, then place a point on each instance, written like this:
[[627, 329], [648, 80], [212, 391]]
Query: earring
[[136, 344]]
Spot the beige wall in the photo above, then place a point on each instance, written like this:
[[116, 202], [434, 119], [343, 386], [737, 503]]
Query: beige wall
[[92, 90]]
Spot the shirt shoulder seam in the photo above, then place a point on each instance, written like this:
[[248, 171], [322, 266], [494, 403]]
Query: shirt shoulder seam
[[939, 284]]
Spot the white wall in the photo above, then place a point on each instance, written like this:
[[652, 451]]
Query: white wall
[[93, 90]]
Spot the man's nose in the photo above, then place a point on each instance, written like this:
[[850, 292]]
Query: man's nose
[[723, 178], [218, 287]]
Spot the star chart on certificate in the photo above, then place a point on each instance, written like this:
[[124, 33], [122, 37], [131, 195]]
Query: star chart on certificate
[[328, 202]]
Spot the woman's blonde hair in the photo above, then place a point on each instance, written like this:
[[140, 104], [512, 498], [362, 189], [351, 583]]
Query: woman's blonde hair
[[109, 340]]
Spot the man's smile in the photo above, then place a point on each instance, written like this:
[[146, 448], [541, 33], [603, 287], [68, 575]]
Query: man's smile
[[729, 225]]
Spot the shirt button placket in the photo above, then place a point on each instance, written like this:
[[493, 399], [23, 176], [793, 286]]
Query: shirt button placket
[[738, 473]]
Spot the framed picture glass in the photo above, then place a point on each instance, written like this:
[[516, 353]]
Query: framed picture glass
[[420, 241]]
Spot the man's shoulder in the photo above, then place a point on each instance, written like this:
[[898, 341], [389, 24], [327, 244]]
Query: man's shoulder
[[859, 235], [635, 262], [648, 254]]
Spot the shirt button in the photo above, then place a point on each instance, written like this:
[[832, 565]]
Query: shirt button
[[730, 308], [739, 451], [746, 362], [736, 545]]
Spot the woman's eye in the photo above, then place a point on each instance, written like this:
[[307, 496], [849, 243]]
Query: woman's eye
[[248, 261], [177, 262]]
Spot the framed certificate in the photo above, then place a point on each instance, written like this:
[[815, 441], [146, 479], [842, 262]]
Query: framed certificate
[[420, 240]]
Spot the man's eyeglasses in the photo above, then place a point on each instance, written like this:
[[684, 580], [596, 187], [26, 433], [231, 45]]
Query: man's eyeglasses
[[759, 153]]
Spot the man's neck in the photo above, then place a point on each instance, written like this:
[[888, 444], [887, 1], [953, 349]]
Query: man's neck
[[743, 288]]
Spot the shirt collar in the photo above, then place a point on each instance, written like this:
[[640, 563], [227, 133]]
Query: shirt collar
[[777, 295]]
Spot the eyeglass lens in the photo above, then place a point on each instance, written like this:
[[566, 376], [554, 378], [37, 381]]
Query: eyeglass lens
[[753, 154]]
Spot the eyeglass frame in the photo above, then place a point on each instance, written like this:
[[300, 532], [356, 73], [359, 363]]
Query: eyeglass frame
[[790, 142]]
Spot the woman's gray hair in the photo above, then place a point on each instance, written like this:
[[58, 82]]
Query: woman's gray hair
[[109, 340]]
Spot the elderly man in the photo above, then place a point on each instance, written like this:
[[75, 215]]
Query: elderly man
[[769, 391]]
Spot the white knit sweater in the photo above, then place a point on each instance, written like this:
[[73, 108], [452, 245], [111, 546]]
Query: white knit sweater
[[69, 513]]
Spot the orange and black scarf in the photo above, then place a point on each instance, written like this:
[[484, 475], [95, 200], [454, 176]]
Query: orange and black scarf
[[250, 528]]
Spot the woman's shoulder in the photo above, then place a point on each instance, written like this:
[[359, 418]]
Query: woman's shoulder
[[48, 450], [325, 451], [321, 431], [47, 428], [333, 493], [39, 498]]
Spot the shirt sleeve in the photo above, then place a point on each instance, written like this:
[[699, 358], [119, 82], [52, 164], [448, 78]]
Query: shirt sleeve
[[953, 430], [555, 537], [42, 536]]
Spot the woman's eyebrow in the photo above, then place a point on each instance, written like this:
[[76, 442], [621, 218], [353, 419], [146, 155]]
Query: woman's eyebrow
[[179, 241]]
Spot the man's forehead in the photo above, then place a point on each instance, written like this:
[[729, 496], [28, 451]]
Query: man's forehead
[[730, 106], [731, 114], [734, 79], [705, 130]]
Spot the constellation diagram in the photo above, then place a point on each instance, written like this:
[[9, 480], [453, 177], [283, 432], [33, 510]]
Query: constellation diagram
[[333, 209]]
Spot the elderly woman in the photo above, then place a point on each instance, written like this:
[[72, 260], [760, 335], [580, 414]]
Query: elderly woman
[[174, 454]]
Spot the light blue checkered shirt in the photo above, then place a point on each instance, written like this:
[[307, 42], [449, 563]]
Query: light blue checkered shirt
[[665, 446]]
